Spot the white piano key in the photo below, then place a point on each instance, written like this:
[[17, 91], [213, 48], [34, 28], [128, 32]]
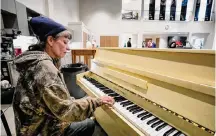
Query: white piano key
[[135, 115], [173, 133], [144, 124], [156, 133], [149, 128], [162, 133], [153, 129], [92, 87], [141, 124], [141, 111], [117, 105]]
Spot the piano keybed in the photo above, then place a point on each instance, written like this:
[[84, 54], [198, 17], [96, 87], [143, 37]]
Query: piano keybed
[[141, 118]]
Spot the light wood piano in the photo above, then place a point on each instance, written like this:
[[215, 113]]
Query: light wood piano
[[158, 92]]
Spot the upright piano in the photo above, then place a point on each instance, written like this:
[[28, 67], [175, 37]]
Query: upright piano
[[158, 92]]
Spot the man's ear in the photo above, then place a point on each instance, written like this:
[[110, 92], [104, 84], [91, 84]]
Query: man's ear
[[50, 40]]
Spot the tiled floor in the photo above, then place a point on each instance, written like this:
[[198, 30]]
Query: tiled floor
[[10, 119]]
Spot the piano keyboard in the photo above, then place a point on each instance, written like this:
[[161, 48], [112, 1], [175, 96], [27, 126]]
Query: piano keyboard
[[142, 119]]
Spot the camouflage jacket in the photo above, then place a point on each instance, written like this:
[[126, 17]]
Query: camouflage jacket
[[42, 104]]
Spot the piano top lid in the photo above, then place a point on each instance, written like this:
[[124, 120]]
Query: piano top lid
[[203, 51]]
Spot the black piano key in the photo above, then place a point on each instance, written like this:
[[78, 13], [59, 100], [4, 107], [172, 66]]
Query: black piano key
[[121, 103], [102, 87], [119, 97], [120, 100], [134, 108], [142, 114], [92, 80], [177, 134], [105, 89], [113, 94], [137, 110], [156, 123], [95, 82], [146, 116], [152, 121], [167, 133], [124, 105], [108, 91], [99, 86], [89, 80], [128, 108], [161, 126]]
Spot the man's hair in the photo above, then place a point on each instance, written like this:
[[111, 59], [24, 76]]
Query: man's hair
[[129, 38], [40, 46]]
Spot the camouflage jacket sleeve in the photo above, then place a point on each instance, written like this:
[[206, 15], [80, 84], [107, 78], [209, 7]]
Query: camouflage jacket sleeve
[[57, 98]]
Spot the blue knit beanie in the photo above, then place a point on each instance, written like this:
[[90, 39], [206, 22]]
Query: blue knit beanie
[[44, 27]]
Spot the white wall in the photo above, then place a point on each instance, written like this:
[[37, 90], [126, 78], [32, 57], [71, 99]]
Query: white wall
[[62, 11], [8, 5], [36, 5], [163, 41], [131, 5], [72, 10], [103, 17], [22, 18], [77, 31]]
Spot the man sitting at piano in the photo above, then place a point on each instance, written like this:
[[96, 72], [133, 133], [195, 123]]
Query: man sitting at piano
[[42, 104]]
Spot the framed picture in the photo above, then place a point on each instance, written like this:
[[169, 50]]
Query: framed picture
[[130, 15]]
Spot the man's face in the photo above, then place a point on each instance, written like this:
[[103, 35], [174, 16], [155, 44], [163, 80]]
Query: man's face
[[60, 46]]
